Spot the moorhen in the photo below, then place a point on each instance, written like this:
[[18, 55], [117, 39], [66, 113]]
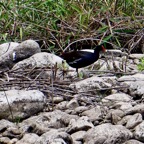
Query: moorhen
[[82, 58]]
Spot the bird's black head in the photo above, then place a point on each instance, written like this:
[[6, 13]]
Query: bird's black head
[[100, 48]]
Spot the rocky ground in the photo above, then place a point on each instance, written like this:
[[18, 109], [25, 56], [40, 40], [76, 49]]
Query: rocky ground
[[38, 105]]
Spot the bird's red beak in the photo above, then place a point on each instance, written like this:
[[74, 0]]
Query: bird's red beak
[[103, 49]]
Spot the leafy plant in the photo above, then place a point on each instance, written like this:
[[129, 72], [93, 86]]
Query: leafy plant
[[141, 65], [59, 22]]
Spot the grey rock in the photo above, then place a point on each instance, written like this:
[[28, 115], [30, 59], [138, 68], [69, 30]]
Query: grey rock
[[106, 66], [134, 84], [25, 49], [80, 109], [29, 138], [124, 120], [42, 59], [132, 142], [134, 121], [54, 137], [57, 99], [4, 140], [139, 108], [82, 123], [46, 121], [117, 112], [78, 136], [122, 106], [89, 83], [136, 88], [107, 134], [135, 77], [77, 142], [7, 47], [12, 132], [5, 124], [13, 141], [93, 114], [139, 132], [118, 97], [23, 103], [115, 53], [17, 53], [116, 64], [136, 56], [115, 115], [62, 105], [72, 104], [136, 61]]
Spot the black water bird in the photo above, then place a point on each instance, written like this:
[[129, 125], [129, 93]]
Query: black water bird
[[82, 58]]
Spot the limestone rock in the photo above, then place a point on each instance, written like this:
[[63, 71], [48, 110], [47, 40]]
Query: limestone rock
[[139, 132], [29, 138], [17, 52], [107, 134], [81, 124], [54, 137], [93, 114], [134, 121], [23, 103]]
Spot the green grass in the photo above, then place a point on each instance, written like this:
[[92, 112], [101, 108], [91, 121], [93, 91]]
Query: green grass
[[58, 22]]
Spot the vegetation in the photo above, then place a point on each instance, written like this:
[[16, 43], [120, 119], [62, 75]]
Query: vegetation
[[141, 65], [59, 22]]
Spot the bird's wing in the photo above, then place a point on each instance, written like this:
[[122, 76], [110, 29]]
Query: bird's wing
[[75, 61], [74, 56]]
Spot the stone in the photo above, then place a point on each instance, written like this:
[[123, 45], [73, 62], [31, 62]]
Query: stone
[[46, 121], [4, 140], [25, 49], [124, 120], [134, 84], [122, 105], [136, 89], [93, 114], [57, 99], [82, 123], [13, 141], [134, 121], [135, 77], [136, 56], [80, 109], [115, 53], [107, 134], [28, 138], [117, 112], [7, 47], [90, 83], [5, 124], [54, 137], [17, 53], [139, 108], [23, 103], [42, 59], [62, 105], [72, 104], [114, 98], [12, 132], [139, 132], [115, 115], [132, 141], [78, 136], [77, 142]]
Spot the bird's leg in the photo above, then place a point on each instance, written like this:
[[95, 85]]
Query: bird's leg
[[77, 72]]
